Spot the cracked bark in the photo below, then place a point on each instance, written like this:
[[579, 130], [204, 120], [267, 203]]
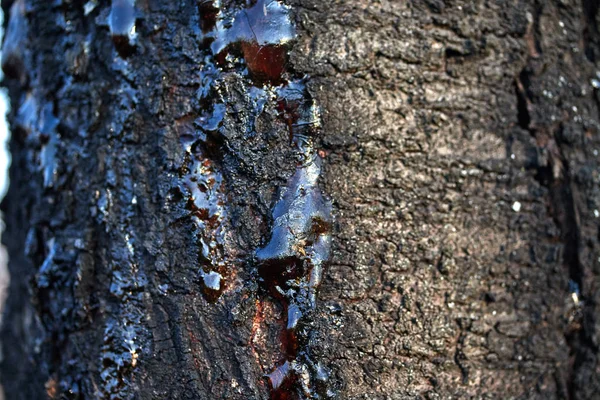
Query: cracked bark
[[460, 145]]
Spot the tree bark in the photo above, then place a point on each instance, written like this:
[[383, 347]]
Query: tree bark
[[184, 223]]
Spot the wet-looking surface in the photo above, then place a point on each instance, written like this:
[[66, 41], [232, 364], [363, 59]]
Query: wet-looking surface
[[167, 233], [121, 22], [254, 42], [191, 156]]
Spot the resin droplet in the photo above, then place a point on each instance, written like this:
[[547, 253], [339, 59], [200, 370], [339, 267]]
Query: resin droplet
[[121, 22], [265, 23], [213, 285], [278, 377], [14, 42], [294, 315], [212, 280], [298, 217], [211, 121], [89, 7], [50, 138], [263, 32], [27, 116]]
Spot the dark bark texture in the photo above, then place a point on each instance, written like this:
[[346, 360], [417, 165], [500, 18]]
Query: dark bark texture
[[177, 198]]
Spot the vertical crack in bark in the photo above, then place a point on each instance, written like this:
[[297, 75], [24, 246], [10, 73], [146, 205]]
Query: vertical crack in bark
[[590, 29], [459, 355], [552, 172]]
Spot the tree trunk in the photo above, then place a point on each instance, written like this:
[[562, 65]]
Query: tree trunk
[[310, 200]]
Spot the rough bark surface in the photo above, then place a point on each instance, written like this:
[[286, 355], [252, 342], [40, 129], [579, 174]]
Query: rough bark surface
[[460, 147]]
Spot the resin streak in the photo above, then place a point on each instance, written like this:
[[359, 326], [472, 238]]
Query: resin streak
[[253, 43]]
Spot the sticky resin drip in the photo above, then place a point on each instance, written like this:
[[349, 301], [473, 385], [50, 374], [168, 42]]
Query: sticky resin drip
[[206, 202], [121, 22], [253, 43], [39, 126], [262, 34], [15, 42], [292, 261], [50, 141], [204, 186]]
